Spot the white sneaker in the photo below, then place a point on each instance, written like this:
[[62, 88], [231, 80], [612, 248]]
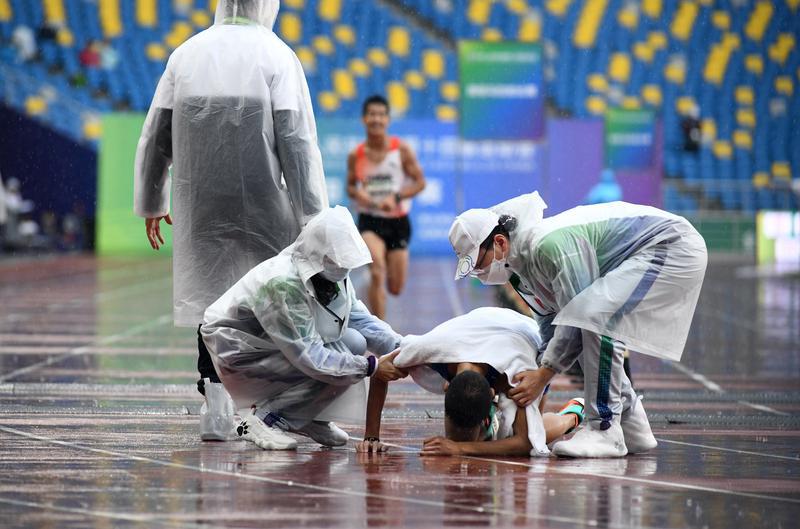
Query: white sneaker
[[636, 429], [267, 437], [593, 442], [325, 433], [216, 413]]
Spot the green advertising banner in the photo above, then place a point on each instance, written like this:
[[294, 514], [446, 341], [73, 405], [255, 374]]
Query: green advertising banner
[[119, 231], [629, 138], [501, 90]]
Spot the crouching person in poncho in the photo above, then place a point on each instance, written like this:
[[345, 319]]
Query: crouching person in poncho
[[289, 338], [600, 279]]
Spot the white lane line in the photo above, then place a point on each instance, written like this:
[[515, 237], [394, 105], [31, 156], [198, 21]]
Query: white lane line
[[101, 514], [716, 388], [306, 486], [75, 351], [735, 451], [450, 288], [652, 482]]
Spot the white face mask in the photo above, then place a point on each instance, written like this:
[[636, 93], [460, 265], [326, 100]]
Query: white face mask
[[335, 274], [498, 272]]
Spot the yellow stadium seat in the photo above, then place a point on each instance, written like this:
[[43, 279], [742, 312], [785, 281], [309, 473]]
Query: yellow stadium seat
[[657, 40], [731, 41], [651, 93], [433, 64], [596, 105], [181, 31], [110, 19], [530, 29], [683, 22], [588, 23], [155, 51], [781, 171], [398, 97], [643, 52], [721, 20], [345, 34], [212, 6], [708, 129], [54, 12], [652, 8], [716, 64], [722, 149], [329, 101], [329, 10], [760, 179], [742, 139], [557, 7], [307, 58], [784, 85], [685, 104], [65, 38], [294, 4], [35, 105], [414, 79], [706, 2], [378, 57], [754, 63], [793, 4], [628, 17], [597, 82], [343, 84], [759, 20], [744, 95], [201, 19], [745, 117], [146, 13], [491, 35], [630, 103], [518, 7], [619, 67], [323, 45], [399, 41], [675, 72], [780, 50], [478, 11], [449, 91], [290, 27], [446, 113], [359, 67], [6, 12], [92, 129]]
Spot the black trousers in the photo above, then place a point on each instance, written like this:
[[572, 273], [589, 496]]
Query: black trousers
[[204, 364]]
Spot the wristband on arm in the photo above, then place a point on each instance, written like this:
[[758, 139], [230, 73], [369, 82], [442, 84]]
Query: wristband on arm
[[372, 365]]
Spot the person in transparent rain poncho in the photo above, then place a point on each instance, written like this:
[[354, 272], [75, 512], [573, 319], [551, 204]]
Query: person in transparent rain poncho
[[599, 279], [232, 116], [289, 338]]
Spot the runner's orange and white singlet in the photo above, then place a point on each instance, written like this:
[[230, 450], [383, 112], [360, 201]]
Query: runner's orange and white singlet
[[382, 179]]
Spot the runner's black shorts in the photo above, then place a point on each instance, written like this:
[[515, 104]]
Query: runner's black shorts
[[395, 232]]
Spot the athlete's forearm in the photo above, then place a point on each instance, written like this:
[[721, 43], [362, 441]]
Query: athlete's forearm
[[511, 446], [375, 401]]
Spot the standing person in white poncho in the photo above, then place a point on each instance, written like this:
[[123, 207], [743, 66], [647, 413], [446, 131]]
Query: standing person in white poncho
[[600, 278], [232, 116], [471, 359]]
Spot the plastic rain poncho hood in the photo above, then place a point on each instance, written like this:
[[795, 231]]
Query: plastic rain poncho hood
[[232, 116], [268, 334], [626, 271], [502, 338]]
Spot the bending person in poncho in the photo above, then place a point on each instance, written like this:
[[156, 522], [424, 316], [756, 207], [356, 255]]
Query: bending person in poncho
[[471, 359]]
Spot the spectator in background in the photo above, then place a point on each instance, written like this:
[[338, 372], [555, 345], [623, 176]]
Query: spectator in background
[[690, 125], [90, 54], [24, 42], [606, 190], [109, 57], [47, 32]]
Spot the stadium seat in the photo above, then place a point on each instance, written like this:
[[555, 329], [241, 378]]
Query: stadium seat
[[290, 27], [329, 10], [588, 25], [759, 20], [399, 41], [146, 13], [398, 97]]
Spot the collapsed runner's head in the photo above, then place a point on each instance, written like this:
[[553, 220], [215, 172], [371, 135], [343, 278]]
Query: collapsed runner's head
[[467, 403]]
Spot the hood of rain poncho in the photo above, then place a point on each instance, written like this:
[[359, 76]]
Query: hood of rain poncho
[[329, 241], [502, 338], [528, 209], [262, 12]]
